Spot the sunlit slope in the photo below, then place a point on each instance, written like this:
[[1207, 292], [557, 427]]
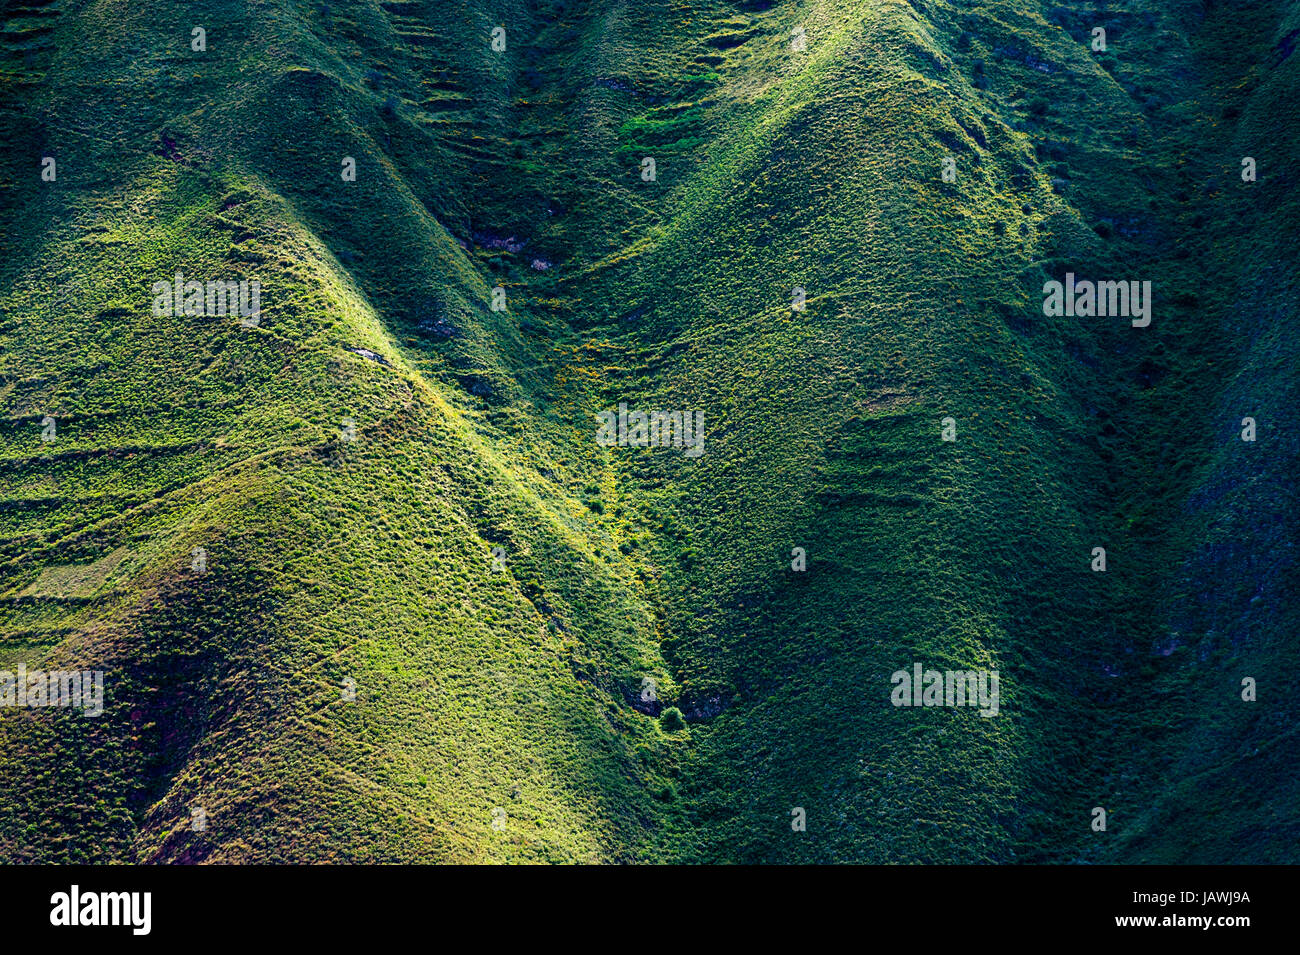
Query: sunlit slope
[[825, 435], [347, 507], [822, 171], [429, 603]]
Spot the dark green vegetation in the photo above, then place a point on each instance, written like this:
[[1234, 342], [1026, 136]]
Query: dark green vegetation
[[517, 684]]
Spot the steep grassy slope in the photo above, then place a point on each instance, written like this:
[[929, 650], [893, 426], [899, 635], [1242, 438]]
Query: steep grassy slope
[[398, 491]]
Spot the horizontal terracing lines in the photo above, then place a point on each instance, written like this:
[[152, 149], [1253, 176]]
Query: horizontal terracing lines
[[489, 94], [26, 45], [443, 104]]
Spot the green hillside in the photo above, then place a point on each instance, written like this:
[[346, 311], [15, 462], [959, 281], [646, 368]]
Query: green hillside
[[365, 585]]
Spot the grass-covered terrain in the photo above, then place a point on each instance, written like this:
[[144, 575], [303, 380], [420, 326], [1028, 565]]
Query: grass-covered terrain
[[427, 605]]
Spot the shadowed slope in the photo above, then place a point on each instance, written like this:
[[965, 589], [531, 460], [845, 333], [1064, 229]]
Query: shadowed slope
[[349, 463]]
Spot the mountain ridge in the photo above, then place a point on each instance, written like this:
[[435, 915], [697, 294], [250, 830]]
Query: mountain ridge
[[499, 711]]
